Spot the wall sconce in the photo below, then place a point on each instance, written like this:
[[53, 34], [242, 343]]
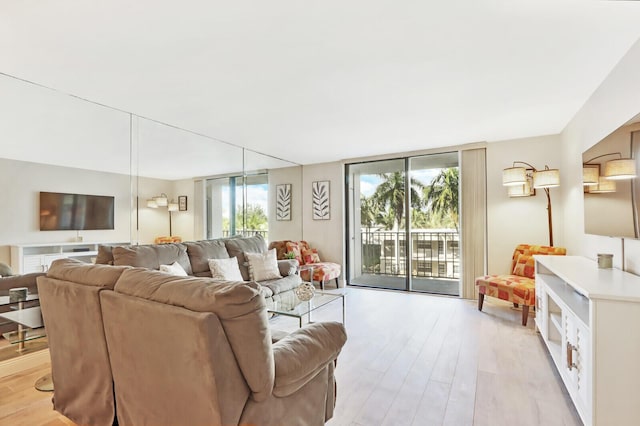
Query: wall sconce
[[544, 179]]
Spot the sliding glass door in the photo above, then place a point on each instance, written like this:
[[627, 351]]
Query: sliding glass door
[[403, 224]]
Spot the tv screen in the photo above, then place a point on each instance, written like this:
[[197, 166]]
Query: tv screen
[[60, 211]]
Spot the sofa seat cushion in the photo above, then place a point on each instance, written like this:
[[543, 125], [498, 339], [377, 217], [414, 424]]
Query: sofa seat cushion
[[152, 256], [514, 288], [201, 251], [283, 284]]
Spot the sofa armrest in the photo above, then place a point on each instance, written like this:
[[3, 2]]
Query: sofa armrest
[[287, 267], [26, 280], [305, 352]]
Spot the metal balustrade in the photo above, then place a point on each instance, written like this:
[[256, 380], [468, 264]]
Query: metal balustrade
[[434, 254]]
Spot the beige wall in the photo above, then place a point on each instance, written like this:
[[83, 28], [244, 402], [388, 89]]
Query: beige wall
[[286, 229], [512, 221], [19, 192], [613, 104], [22, 182], [325, 235]]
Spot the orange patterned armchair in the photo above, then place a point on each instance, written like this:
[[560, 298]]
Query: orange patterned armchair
[[519, 286], [307, 256]]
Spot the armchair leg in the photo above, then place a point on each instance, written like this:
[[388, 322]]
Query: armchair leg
[[337, 283], [480, 301], [525, 314]]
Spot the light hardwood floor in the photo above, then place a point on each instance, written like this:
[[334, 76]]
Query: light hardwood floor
[[410, 359]]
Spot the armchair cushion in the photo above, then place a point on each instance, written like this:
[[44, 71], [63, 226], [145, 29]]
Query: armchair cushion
[[512, 288], [525, 266], [302, 354]]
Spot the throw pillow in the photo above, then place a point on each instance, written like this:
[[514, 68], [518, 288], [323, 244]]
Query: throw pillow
[[225, 269], [294, 248], [310, 256], [174, 269], [263, 266], [525, 266]]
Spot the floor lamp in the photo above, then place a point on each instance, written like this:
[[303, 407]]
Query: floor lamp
[[523, 181]]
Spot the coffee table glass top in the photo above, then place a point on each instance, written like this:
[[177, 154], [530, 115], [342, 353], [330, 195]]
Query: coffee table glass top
[[303, 308], [6, 300]]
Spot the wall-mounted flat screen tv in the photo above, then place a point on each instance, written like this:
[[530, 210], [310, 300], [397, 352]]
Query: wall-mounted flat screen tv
[[60, 211]]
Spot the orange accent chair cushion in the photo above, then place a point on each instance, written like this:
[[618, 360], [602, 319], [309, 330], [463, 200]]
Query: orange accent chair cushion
[[305, 255], [518, 287]]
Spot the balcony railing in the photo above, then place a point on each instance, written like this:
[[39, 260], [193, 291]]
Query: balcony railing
[[247, 233], [434, 254]]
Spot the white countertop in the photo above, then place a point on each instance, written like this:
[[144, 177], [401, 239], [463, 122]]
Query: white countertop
[[584, 275]]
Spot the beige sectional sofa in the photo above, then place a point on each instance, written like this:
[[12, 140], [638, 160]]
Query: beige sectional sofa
[[166, 350], [193, 256]]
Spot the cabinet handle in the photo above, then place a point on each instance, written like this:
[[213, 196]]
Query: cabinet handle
[[570, 364]]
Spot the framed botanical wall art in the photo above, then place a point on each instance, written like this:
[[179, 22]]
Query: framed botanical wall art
[[283, 201], [320, 197]]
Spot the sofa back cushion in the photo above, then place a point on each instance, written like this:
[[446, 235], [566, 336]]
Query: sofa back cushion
[[240, 307], [152, 256], [237, 247], [201, 251], [70, 303]]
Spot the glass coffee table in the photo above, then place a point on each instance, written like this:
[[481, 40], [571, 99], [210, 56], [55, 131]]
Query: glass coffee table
[[28, 319], [30, 327], [305, 308]]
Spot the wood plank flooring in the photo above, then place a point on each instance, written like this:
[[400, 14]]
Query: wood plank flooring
[[411, 359]]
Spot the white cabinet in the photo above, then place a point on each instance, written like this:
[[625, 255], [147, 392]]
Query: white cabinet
[[28, 258], [589, 319]]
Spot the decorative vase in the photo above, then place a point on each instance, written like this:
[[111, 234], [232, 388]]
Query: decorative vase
[[305, 291]]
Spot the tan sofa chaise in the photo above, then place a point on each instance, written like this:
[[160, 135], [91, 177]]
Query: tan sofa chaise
[[193, 256], [167, 350]]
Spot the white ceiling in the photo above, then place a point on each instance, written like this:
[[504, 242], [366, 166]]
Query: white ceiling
[[316, 81]]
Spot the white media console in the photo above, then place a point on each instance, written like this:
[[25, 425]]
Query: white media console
[[26, 258], [589, 318]]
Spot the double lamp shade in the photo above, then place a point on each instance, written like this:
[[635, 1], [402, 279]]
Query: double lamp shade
[[162, 201], [623, 168], [520, 185]]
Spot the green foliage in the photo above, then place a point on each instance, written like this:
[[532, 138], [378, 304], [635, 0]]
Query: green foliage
[[441, 196], [389, 198], [432, 206], [256, 219]]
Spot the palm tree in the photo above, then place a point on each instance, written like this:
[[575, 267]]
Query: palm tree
[[441, 196], [389, 195]]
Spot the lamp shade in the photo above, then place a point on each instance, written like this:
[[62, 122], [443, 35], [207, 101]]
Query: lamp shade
[[548, 178], [161, 200], [514, 176], [604, 185], [590, 174], [520, 190], [624, 168], [172, 206], [151, 203]]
